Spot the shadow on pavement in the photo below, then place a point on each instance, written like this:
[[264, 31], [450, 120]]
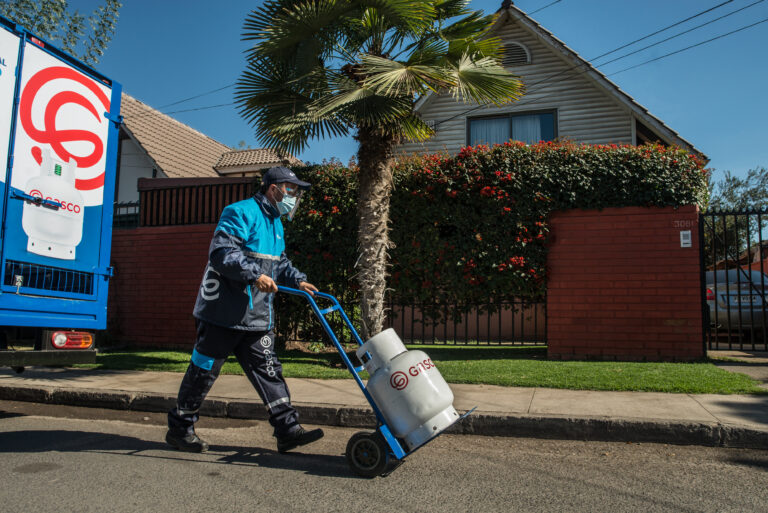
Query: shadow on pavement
[[761, 463], [82, 441], [57, 373], [754, 411]]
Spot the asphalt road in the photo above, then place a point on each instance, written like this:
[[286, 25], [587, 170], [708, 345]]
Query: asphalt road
[[58, 458]]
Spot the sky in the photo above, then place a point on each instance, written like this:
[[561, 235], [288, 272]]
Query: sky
[[713, 95]]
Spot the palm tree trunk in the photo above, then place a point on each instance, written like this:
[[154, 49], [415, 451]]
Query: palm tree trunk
[[375, 162]]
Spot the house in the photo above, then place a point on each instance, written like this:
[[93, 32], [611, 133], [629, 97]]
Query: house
[[566, 97], [154, 145]]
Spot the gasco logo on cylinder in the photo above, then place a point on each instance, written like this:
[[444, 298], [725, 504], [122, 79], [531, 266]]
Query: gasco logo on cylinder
[[399, 380], [65, 205]]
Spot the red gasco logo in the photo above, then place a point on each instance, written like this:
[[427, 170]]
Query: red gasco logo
[[65, 205], [50, 134], [399, 380]]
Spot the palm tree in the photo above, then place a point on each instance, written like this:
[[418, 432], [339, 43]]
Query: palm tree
[[322, 68]]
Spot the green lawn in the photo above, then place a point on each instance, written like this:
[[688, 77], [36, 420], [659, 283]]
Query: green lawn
[[505, 366]]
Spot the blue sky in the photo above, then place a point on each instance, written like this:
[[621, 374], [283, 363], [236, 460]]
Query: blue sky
[[714, 95]]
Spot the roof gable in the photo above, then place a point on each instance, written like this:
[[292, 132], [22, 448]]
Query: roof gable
[[509, 12]]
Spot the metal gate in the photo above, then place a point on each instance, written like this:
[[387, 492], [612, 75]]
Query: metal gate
[[734, 263]]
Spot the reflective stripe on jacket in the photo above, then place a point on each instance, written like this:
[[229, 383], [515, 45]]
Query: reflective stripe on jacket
[[247, 243]]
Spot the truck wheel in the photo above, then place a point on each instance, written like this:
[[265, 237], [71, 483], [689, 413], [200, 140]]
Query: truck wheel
[[18, 370], [367, 454]]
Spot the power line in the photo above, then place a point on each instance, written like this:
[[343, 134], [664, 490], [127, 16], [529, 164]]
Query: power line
[[542, 8], [689, 47], [558, 73], [663, 29], [196, 96], [200, 108], [156, 112], [682, 33]]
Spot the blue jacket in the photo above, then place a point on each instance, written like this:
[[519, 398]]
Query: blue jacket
[[247, 243]]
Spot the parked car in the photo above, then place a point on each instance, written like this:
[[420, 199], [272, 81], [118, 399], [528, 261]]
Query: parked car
[[738, 300]]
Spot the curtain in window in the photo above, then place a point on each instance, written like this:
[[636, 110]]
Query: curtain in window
[[527, 128], [489, 131]]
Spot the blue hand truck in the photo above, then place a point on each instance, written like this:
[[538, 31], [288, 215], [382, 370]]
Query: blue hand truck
[[369, 454]]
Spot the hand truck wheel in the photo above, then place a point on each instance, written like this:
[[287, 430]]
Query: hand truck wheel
[[367, 454]]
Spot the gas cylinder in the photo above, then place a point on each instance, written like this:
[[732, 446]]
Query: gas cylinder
[[406, 386], [53, 232]]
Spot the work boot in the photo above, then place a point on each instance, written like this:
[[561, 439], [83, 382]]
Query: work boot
[[187, 443], [297, 437]]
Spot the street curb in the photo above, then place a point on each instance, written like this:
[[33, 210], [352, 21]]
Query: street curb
[[608, 429]]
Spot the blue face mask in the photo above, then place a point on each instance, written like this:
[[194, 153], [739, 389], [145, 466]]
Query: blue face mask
[[286, 205]]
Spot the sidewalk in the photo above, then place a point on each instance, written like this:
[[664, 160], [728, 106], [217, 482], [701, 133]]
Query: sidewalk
[[715, 420]]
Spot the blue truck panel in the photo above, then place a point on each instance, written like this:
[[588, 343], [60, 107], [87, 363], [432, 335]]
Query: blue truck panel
[[59, 130]]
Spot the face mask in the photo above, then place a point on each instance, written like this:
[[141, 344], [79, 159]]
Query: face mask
[[286, 205]]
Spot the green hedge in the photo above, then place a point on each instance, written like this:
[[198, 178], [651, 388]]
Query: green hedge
[[473, 226]]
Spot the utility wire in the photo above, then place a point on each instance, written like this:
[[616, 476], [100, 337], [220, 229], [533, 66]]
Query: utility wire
[[196, 96], [561, 72], [682, 33], [542, 8], [689, 47], [155, 112], [662, 29]]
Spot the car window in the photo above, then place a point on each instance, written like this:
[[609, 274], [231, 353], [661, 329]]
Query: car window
[[732, 276]]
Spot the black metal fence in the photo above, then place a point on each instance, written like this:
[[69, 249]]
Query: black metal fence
[[734, 258], [517, 322], [126, 215]]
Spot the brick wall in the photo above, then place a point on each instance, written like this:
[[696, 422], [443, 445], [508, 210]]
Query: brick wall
[[621, 287], [157, 275]]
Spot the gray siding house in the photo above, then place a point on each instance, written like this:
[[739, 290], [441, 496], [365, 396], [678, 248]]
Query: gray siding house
[[566, 98]]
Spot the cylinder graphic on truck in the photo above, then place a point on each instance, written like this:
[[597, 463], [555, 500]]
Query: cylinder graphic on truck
[[53, 232], [60, 156]]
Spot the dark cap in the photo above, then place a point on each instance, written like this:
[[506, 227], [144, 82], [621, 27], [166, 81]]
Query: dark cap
[[279, 174]]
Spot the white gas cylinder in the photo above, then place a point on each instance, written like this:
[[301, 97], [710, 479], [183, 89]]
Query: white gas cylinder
[[406, 386], [54, 232]]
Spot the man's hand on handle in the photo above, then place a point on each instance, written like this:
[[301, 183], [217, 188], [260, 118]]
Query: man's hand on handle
[[267, 284], [307, 287]]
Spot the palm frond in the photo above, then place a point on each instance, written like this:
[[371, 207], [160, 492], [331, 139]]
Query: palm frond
[[392, 78], [473, 26], [483, 80], [446, 9], [490, 47]]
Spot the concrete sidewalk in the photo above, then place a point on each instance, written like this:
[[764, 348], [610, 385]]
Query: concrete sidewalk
[[715, 420]]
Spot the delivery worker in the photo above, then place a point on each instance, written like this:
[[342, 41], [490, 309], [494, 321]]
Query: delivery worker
[[234, 311]]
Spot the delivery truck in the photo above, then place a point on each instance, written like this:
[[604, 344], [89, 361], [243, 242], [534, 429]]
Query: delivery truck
[[59, 124]]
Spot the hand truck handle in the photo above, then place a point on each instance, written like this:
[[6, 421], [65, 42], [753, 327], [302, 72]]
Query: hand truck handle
[[322, 313]]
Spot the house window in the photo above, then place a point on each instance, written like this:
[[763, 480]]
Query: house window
[[515, 54], [529, 128]]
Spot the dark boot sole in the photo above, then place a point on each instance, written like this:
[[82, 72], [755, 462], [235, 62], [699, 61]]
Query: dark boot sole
[[282, 448], [180, 446]]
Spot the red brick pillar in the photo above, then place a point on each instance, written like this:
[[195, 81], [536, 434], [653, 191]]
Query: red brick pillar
[[621, 287]]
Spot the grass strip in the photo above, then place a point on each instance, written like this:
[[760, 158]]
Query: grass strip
[[520, 366]]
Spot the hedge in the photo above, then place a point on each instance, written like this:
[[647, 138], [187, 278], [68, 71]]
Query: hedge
[[473, 227]]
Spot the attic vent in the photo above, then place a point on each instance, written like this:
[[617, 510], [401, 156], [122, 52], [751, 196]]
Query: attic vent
[[515, 54]]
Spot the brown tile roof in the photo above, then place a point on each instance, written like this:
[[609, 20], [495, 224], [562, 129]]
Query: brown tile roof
[[258, 156], [178, 150]]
